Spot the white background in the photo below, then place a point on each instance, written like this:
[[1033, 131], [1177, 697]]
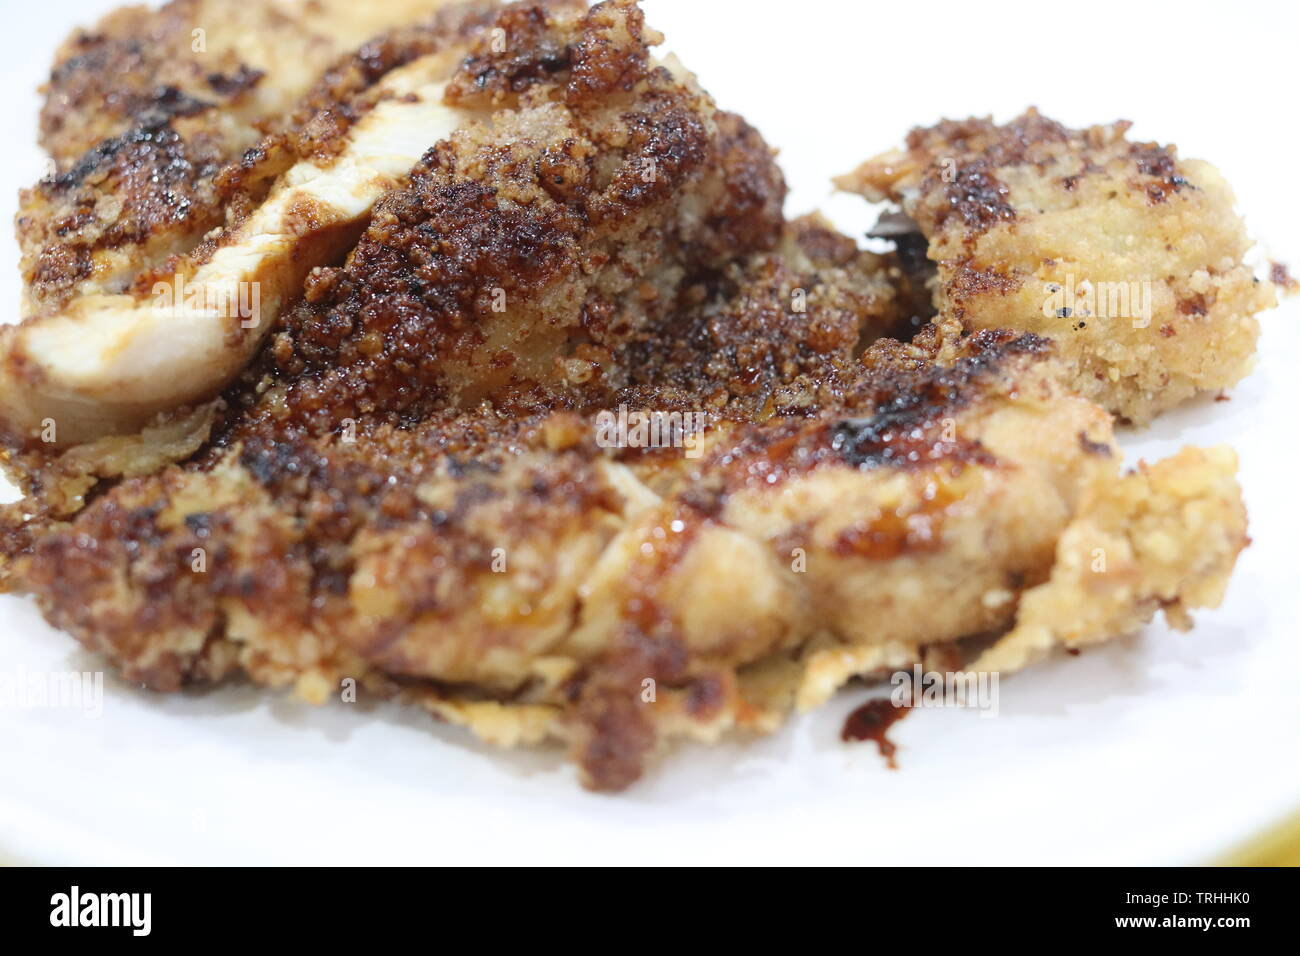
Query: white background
[[1160, 748]]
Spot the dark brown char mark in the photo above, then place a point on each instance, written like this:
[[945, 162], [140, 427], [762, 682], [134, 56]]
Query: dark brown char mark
[[872, 721]]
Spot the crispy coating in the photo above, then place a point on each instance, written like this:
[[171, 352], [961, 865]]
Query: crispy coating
[[529, 241], [528, 250], [110, 363], [511, 574], [240, 65], [412, 484], [775, 333], [158, 144], [1125, 254]]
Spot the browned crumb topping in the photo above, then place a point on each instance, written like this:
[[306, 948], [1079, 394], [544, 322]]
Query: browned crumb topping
[[408, 487], [1011, 214], [157, 145]]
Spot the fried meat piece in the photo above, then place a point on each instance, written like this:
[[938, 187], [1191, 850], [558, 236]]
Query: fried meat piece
[[107, 362], [528, 249], [511, 574], [414, 484], [160, 137], [1129, 257], [597, 176], [241, 66], [156, 263]]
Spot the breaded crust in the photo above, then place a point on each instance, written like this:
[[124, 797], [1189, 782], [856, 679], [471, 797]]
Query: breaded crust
[[167, 124], [413, 484], [515, 576], [1129, 257], [241, 65]]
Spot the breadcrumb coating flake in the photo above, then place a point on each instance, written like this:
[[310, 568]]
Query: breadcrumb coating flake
[[166, 124], [793, 555], [407, 487], [1126, 255], [178, 203]]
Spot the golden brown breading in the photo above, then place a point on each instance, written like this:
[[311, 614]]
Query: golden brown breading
[[108, 362], [413, 484], [1129, 257], [241, 65], [773, 333], [529, 242], [527, 250], [512, 574], [158, 144]]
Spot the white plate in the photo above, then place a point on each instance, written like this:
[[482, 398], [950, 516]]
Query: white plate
[[1160, 748]]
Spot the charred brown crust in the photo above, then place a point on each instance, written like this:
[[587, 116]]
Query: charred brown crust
[[1158, 167], [162, 186], [748, 215], [1012, 144], [344, 93], [1004, 210], [522, 50], [430, 409], [176, 166], [489, 224], [285, 549], [111, 81], [977, 196], [617, 735], [905, 429]]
